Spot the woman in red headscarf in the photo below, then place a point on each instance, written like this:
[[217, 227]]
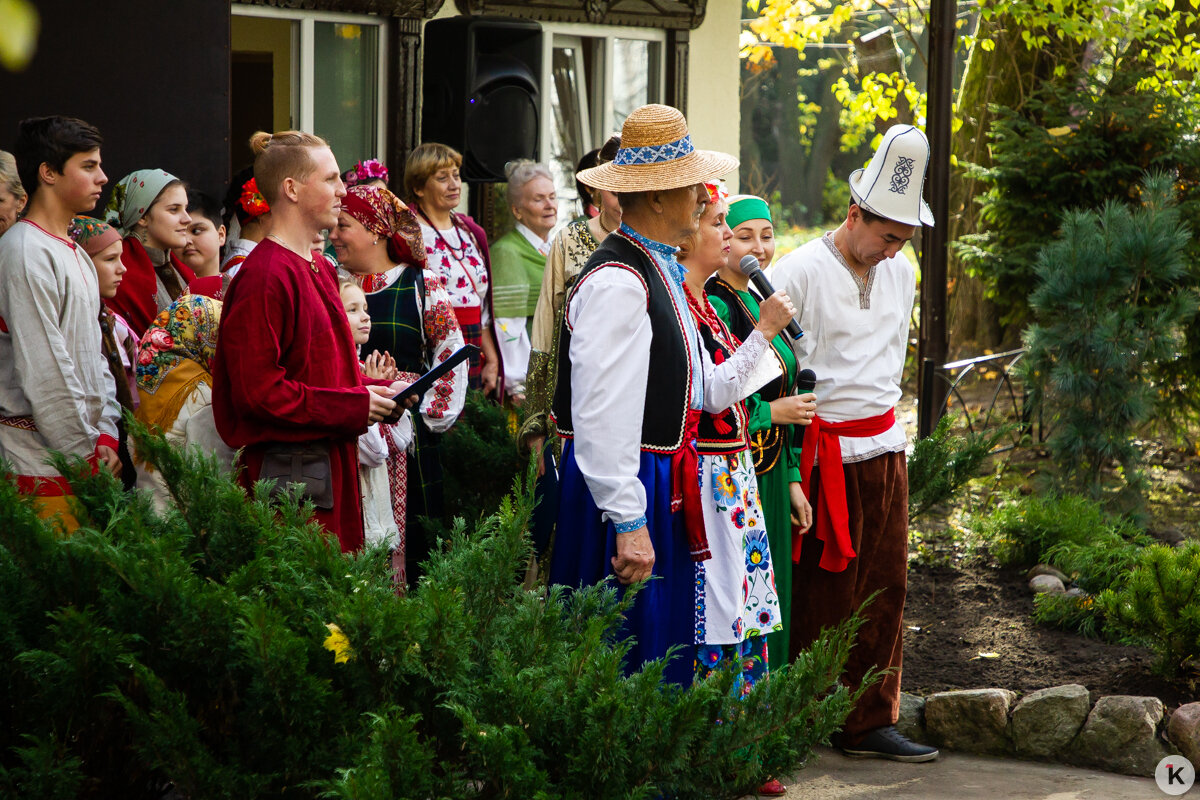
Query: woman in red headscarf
[[379, 245]]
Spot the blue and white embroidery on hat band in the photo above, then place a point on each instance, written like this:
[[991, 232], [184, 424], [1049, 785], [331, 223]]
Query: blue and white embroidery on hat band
[[654, 153]]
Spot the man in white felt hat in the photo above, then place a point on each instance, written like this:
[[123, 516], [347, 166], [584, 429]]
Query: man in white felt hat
[[633, 379], [854, 292]]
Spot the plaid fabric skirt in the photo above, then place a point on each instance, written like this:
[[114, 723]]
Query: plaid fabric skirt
[[471, 324]]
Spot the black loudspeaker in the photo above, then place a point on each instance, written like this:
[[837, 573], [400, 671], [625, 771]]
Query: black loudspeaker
[[481, 86]]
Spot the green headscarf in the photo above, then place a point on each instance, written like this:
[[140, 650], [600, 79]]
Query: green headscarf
[[132, 197], [743, 207]]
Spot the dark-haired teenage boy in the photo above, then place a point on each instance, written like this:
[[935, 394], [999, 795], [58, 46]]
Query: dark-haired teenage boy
[[201, 251], [56, 392]]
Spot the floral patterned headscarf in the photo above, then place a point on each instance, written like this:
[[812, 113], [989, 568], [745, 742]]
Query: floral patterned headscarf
[[92, 235], [384, 214], [175, 357], [184, 331], [132, 197]]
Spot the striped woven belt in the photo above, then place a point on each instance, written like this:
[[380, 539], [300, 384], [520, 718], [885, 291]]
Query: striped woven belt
[[21, 423]]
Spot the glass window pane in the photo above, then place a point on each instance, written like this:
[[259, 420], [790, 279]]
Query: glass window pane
[[566, 140], [262, 72], [636, 76], [346, 89]]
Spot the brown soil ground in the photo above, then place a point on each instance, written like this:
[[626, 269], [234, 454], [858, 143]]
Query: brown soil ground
[[954, 614], [961, 604]]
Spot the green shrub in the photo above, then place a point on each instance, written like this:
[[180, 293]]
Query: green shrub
[[1025, 530], [193, 649], [1068, 613], [479, 459], [1112, 299], [1076, 535], [1075, 146], [1159, 605], [942, 463]]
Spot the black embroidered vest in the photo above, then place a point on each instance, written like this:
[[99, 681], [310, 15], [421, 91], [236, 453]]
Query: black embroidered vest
[[766, 445], [397, 326], [668, 381]]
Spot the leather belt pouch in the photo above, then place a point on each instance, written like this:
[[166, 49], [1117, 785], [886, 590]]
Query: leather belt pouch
[[304, 463]]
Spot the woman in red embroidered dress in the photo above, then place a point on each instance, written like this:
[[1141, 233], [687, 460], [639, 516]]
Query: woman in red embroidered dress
[[457, 251]]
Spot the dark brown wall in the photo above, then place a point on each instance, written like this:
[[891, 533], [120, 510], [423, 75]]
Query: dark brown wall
[[152, 75]]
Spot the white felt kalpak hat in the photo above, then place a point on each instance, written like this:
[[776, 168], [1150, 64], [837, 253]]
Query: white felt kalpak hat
[[890, 186]]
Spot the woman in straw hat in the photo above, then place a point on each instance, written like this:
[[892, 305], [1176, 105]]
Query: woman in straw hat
[[633, 381], [773, 409]]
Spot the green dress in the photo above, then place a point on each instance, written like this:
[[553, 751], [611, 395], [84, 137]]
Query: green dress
[[776, 449]]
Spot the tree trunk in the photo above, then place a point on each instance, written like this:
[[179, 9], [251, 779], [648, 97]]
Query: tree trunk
[[1005, 76], [827, 135], [787, 128]]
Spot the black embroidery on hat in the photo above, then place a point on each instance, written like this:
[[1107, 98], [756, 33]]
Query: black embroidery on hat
[[901, 175]]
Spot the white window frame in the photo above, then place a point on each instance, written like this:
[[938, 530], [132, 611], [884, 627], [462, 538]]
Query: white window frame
[[304, 65], [602, 123]]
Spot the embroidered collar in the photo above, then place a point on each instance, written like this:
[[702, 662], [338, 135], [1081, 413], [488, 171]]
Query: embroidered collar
[[864, 284], [664, 252], [662, 249]]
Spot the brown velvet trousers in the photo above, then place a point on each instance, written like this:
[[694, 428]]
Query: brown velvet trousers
[[877, 499]]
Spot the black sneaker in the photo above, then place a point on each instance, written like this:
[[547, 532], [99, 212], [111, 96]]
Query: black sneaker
[[889, 743]]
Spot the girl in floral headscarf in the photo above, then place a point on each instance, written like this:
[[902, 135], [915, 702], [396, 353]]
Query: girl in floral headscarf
[[174, 381], [413, 327], [149, 209]]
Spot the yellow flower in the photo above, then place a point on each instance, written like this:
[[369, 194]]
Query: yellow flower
[[337, 642]]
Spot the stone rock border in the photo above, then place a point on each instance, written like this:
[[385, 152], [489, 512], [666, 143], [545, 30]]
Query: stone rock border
[[1118, 733]]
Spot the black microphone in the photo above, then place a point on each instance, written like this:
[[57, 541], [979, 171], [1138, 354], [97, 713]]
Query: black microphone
[[749, 267], [806, 381]]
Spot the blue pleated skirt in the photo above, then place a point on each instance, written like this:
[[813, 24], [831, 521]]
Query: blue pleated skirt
[[664, 613]]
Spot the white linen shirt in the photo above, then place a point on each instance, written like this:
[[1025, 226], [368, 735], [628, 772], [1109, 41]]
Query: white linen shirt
[[855, 342]]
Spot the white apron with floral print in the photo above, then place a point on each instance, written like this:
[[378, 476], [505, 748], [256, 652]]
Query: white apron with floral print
[[735, 589]]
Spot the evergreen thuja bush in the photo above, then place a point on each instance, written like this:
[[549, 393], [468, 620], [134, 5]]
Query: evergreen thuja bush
[[1112, 300], [942, 463], [227, 649], [1078, 145], [480, 458], [1159, 605]]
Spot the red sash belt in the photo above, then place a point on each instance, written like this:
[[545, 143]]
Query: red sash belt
[[833, 517], [685, 489], [468, 315]]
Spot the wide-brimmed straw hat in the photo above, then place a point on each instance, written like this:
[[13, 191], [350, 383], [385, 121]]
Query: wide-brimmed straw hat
[[656, 153], [890, 186]]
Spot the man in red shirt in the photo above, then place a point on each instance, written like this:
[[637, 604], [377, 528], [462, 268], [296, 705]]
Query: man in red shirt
[[286, 376]]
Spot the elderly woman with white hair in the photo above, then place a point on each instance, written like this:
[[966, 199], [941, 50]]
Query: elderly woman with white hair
[[518, 261]]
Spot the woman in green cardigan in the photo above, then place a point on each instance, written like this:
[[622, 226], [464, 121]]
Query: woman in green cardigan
[[772, 410], [518, 261]]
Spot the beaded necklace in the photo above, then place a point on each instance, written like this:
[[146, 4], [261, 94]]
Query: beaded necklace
[[458, 254]]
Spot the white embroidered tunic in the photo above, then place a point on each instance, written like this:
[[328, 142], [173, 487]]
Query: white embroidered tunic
[[52, 369], [855, 336], [458, 264]]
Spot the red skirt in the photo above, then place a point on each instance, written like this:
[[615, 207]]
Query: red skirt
[[470, 321]]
